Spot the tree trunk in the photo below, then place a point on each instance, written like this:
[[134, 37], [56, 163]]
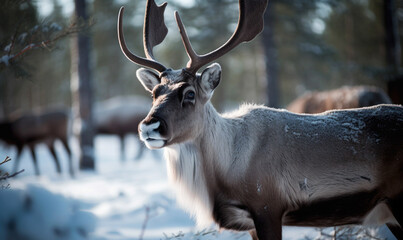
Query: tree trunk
[[393, 51], [82, 90], [273, 93]]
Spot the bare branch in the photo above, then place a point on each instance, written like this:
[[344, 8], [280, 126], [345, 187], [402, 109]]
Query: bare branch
[[143, 227], [146, 219], [6, 160], [6, 175]]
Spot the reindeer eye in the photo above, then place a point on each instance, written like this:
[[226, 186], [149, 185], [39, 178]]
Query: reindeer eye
[[190, 95]]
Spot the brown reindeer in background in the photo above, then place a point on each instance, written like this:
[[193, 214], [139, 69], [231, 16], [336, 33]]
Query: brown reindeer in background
[[32, 128], [341, 98], [258, 168], [121, 116]]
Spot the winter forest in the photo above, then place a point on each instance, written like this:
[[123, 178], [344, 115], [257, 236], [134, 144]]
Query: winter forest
[[71, 162]]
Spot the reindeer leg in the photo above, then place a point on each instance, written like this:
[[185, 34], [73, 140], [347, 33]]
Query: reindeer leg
[[122, 147], [17, 158], [66, 146], [396, 206], [253, 234], [267, 224], [55, 158], [140, 150], [34, 160]]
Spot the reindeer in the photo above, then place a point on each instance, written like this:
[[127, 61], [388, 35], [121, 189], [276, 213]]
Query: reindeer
[[121, 116], [258, 168], [342, 98], [31, 128]]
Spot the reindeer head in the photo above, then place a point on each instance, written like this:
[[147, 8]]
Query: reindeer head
[[179, 96]]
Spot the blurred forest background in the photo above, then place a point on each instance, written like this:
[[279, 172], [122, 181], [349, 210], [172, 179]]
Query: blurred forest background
[[307, 45], [316, 45]]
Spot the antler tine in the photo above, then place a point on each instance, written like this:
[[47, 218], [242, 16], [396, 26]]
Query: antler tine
[[193, 57], [146, 62], [250, 24]]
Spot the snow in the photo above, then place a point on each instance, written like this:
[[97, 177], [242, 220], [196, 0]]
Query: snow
[[36, 213], [55, 26], [22, 37], [31, 45], [7, 48], [6, 59], [120, 200]]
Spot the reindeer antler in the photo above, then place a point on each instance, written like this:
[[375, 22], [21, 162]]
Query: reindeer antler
[[250, 24], [154, 32]]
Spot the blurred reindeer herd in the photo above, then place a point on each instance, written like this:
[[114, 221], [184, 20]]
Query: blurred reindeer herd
[[120, 116]]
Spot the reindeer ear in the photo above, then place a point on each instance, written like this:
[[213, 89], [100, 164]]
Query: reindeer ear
[[147, 78], [210, 78]]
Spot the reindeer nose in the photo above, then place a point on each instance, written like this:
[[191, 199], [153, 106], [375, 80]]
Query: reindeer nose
[[152, 132], [153, 125]]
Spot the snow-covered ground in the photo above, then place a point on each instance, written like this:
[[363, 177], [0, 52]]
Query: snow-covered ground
[[122, 199]]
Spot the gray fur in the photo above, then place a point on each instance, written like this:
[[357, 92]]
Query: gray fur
[[258, 168], [333, 153]]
